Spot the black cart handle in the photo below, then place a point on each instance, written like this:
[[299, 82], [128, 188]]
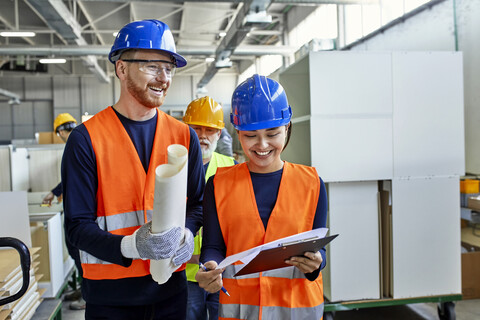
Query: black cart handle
[[25, 263]]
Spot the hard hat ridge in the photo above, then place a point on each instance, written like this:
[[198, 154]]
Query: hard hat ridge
[[205, 112], [146, 34], [259, 103]]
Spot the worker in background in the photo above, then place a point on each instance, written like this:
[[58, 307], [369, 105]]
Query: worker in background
[[108, 174], [269, 200], [62, 126], [205, 116]]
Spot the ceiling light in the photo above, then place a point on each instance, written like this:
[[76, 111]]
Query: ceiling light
[[115, 34], [222, 34], [209, 59], [17, 34], [53, 60]]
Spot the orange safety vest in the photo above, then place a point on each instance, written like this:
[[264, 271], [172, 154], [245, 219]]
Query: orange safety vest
[[125, 192], [275, 294]]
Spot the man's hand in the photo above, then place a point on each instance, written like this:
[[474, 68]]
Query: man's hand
[[48, 199], [143, 244], [184, 253]]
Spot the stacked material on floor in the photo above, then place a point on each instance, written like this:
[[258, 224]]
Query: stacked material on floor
[[11, 281]]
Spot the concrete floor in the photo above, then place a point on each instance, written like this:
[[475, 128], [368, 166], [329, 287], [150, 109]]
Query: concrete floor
[[464, 310]]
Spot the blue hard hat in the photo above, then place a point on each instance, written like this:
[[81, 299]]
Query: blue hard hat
[[259, 103], [146, 34]]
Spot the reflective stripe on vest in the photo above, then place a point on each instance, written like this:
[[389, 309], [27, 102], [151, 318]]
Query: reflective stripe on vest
[[264, 295], [235, 311], [218, 160], [125, 191]]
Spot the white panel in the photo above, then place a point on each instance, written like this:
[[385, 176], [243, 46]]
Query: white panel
[[19, 163], [53, 225], [14, 216], [44, 168], [347, 83], [426, 237], [354, 255], [5, 184], [352, 149], [428, 126]]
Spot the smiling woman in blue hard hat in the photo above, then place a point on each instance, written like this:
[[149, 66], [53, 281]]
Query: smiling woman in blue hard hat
[[108, 175], [269, 200]]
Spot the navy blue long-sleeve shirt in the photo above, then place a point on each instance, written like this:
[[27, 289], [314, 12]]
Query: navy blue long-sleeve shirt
[[80, 183], [265, 187]]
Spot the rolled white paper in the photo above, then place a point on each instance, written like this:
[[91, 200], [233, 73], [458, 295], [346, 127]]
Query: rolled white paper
[[170, 201]]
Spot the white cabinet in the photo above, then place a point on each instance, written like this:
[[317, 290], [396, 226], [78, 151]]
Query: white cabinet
[[352, 260], [46, 229], [361, 117]]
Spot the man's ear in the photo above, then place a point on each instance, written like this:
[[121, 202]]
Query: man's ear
[[120, 67]]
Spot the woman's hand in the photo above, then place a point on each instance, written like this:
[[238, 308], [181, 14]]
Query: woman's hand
[[308, 263], [210, 280]]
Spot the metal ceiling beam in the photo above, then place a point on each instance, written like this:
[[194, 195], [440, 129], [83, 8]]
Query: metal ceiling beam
[[244, 50], [59, 18], [240, 26], [14, 98], [297, 2]]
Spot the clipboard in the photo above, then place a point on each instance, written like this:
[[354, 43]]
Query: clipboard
[[274, 258]]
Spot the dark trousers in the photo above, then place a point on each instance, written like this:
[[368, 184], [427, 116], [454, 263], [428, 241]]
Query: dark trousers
[[173, 308], [200, 301]]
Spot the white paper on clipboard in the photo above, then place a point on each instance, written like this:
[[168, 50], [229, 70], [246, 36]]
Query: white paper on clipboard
[[248, 255]]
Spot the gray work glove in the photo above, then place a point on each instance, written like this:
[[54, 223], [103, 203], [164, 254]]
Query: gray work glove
[[185, 251], [143, 244]]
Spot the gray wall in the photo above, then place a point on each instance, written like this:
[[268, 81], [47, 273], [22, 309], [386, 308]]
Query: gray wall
[[435, 30], [43, 97]]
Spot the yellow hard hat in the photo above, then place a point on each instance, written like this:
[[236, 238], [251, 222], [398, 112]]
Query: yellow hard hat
[[205, 112], [62, 118]]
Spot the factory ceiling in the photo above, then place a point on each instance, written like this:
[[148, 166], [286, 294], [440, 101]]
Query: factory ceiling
[[83, 31]]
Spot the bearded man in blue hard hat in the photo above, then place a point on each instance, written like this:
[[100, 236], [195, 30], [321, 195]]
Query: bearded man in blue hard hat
[[108, 179]]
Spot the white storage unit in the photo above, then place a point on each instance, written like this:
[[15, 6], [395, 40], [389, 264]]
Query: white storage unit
[[361, 117], [426, 237], [36, 168], [350, 272], [46, 231]]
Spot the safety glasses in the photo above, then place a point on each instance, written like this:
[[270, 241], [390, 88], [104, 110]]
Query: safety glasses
[[154, 67]]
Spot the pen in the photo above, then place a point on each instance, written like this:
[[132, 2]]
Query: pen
[[205, 269]]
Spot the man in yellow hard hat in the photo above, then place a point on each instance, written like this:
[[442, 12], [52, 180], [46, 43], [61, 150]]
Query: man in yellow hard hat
[[205, 116], [63, 125]]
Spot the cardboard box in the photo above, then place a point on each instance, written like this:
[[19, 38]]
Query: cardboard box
[[47, 137], [471, 275], [474, 203]]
